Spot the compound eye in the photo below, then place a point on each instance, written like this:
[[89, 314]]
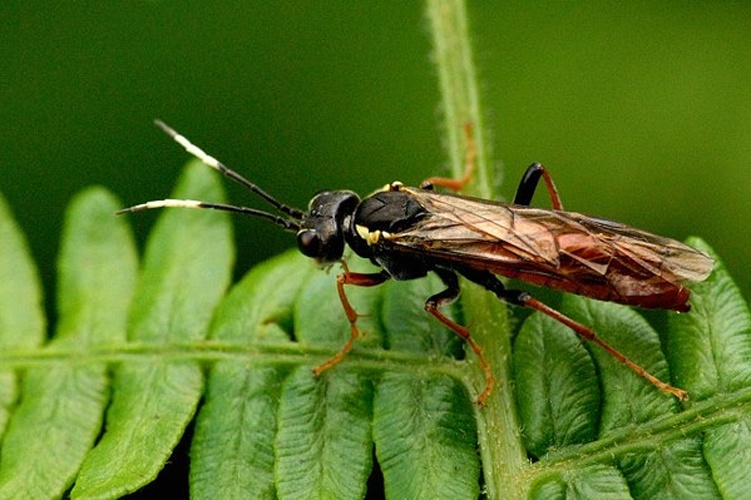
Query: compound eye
[[309, 243]]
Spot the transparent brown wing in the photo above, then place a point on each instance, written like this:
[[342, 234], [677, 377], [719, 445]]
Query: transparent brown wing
[[565, 250]]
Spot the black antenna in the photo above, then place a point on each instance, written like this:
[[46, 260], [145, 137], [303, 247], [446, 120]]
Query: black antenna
[[216, 164], [170, 203]]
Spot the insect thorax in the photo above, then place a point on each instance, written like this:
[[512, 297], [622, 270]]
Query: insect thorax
[[376, 218]]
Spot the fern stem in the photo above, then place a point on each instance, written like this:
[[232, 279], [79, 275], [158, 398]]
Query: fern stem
[[459, 89], [501, 450]]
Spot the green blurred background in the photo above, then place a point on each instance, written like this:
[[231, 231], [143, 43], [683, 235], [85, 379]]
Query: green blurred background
[[642, 110]]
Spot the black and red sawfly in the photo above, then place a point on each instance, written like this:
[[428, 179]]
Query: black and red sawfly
[[409, 232]]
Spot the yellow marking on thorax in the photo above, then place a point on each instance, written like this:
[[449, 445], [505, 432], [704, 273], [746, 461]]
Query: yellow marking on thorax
[[371, 237]]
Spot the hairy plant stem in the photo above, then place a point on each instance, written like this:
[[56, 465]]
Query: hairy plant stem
[[502, 453]]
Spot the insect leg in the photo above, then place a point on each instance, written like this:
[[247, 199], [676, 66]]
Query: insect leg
[[444, 298], [589, 334], [356, 279], [528, 185], [518, 297], [469, 167]]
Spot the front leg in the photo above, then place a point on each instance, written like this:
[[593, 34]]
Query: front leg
[[356, 279]]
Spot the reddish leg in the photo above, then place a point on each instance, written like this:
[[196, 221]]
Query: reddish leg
[[357, 279], [528, 185], [444, 298], [525, 190], [469, 167], [589, 335], [555, 199], [520, 298]]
